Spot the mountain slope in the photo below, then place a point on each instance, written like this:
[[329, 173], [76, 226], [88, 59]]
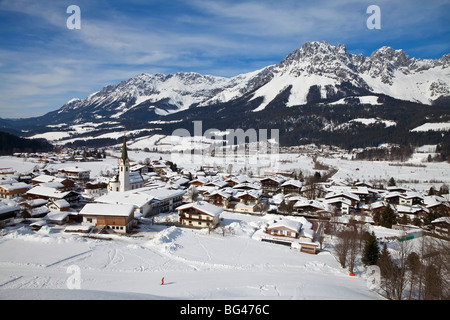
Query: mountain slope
[[317, 74]]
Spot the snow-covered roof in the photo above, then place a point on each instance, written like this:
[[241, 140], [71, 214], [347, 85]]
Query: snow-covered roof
[[73, 169], [202, 206], [56, 216], [295, 183], [61, 203], [138, 200], [14, 186], [7, 205], [339, 199], [106, 209], [252, 193], [289, 224], [306, 203], [441, 219], [342, 194], [47, 192]]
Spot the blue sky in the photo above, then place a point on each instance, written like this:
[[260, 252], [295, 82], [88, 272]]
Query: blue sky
[[43, 64]]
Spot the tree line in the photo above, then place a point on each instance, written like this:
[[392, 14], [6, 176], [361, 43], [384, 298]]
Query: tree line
[[406, 271]]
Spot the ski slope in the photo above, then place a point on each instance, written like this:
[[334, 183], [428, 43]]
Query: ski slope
[[195, 265]]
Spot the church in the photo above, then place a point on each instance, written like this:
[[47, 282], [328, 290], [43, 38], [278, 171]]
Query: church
[[125, 180]]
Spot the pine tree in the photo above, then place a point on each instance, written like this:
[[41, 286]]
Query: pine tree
[[387, 217], [391, 182], [371, 250], [387, 270]]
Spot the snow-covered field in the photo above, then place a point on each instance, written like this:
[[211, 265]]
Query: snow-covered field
[[194, 264]]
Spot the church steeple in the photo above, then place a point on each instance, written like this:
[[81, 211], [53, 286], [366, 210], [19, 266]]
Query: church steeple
[[124, 149], [124, 168]]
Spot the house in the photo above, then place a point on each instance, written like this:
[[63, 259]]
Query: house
[[13, 190], [343, 200], [199, 214], [75, 173], [234, 180], [305, 206], [249, 196], [45, 180], [411, 212], [199, 182], [441, 226], [284, 228], [47, 193], [58, 205], [295, 233], [272, 185], [56, 217], [410, 198], [144, 204], [166, 199], [437, 204], [291, 186], [8, 211], [220, 198], [342, 204], [116, 217]]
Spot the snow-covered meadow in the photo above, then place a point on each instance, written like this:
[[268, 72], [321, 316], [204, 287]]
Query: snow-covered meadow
[[194, 264]]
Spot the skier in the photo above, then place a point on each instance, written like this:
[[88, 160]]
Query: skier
[[162, 281]]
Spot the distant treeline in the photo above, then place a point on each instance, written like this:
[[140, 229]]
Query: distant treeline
[[10, 144]]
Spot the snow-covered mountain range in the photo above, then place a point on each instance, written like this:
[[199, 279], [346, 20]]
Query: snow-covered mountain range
[[317, 73]]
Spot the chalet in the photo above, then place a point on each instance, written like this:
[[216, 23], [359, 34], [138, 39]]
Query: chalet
[[441, 226], [48, 193], [216, 184], [437, 204], [342, 204], [392, 197], [45, 180], [345, 201], [305, 206], [6, 171], [249, 197], [199, 182], [410, 199], [59, 205], [284, 228], [272, 185], [220, 198], [75, 173], [143, 203], [411, 212], [234, 180], [57, 217], [167, 200], [199, 215], [8, 211], [365, 195], [292, 233], [291, 186], [95, 188], [115, 217], [13, 190]]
